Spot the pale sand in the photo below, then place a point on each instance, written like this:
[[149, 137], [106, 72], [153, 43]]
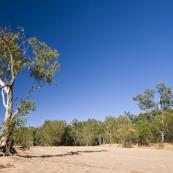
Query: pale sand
[[91, 160]]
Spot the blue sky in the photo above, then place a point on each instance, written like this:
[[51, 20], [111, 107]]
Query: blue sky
[[110, 51]]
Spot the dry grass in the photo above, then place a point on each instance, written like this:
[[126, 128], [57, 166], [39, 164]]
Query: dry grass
[[8, 165]]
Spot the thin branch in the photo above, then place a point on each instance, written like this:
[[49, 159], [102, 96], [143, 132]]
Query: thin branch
[[29, 93], [15, 114], [159, 130], [15, 99], [33, 89]]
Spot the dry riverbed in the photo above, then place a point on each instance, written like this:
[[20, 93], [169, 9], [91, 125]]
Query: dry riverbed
[[96, 159]]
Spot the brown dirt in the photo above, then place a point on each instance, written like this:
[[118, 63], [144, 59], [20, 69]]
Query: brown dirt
[[108, 159]]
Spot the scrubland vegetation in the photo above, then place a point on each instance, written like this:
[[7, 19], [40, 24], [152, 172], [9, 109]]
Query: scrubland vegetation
[[154, 125]]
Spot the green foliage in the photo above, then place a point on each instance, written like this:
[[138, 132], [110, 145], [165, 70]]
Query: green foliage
[[110, 128], [51, 132], [156, 110], [166, 96], [26, 106], [146, 100], [93, 132], [144, 132], [86, 132], [152, 126], [67, 139], [44, 65], [23, 137], [12, 51], [169, 123], [126, 133]]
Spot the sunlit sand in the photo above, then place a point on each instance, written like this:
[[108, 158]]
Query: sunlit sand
[[91, 159]]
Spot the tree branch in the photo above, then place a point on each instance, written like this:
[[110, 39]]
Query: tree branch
[[3, 85], [11, 59], [29, 93], [159, 131], [15, 114], [3, 99], [33, 89]]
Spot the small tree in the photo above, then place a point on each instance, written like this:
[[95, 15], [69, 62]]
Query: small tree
[[126, 134], [110, 128], [144, 133], [41, 65], [51, 132]]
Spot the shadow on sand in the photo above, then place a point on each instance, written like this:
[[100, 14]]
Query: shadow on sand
[[71, 153]]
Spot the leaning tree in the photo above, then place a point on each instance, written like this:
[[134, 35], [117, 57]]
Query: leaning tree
[[18, 54]]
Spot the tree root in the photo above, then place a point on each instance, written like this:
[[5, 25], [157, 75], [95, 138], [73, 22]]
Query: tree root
[[6, 147]]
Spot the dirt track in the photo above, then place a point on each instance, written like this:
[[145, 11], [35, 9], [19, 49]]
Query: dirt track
[[90, 159]]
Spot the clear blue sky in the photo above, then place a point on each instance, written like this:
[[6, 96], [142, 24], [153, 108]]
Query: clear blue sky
[[110, 51]]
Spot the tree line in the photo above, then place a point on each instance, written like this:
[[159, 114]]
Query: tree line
[[153, 125]]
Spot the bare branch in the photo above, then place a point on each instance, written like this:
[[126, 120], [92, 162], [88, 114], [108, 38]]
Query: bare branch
[[33, 89], [15, 114]]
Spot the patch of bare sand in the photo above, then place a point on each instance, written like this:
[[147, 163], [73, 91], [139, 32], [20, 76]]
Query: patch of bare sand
[[99, 159]]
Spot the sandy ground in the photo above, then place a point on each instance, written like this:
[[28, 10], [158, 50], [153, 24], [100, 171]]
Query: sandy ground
[[91, 160]]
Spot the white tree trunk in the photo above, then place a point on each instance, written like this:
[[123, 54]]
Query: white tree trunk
[[6, 141]]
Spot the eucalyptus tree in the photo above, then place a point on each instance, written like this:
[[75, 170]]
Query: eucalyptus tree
[[156, 109], [51, 132], [24, 136], [169, 121], [77, 132], [165, 96], [144, 132], [42, 64], [110, 128], [146, 101], [126, 132]]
